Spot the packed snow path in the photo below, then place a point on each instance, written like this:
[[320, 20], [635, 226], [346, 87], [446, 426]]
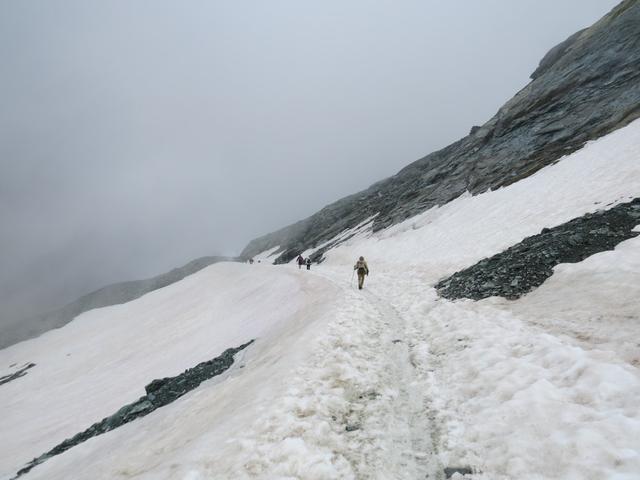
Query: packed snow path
[[370, 367]]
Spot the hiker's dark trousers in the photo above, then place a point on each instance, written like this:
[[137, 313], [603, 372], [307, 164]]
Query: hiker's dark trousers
[[360, 280]]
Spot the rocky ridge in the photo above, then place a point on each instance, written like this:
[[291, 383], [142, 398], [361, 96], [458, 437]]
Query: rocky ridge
[[584, 88], [525, 266]]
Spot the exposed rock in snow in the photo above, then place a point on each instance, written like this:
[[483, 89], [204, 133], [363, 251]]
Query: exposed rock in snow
[[528, 264], [21, 372], [160, 392], [451, 471]]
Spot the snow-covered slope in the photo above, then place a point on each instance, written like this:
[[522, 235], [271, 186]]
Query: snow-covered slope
[[445, 239], [388, 382], [114, 294], [102, 360]]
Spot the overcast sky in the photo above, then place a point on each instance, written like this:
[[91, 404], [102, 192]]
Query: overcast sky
[[138, 135]]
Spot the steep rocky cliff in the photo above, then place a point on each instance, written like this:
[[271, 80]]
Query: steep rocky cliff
[[584, 88]]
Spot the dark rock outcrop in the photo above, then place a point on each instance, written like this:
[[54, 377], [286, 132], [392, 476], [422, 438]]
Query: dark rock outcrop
[[528, 264], [159, 393], [114, 294], [584, 88], [451, 471], [17, 374]]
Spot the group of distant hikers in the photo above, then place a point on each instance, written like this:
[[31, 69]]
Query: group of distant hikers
[[301, 261], [360, 267]]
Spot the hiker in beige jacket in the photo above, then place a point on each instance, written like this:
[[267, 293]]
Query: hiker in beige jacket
[[363, 269]]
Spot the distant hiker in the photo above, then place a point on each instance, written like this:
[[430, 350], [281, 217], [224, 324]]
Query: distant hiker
[[308, 264], [251, 261], [363, 269], [300, 261]]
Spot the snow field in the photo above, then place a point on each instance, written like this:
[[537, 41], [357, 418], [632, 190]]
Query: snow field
[[103, 359], [596, 302], [517, 402]]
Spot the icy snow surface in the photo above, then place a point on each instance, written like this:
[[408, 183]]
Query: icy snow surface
[[386, 383]]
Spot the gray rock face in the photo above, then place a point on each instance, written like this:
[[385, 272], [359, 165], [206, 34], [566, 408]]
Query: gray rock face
[[584, 88], [528, 264], [114, 294], [555, 54], [159, 393]]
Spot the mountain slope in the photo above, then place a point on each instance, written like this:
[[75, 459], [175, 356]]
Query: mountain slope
[[393, 381], [114, 294], [584, 88], [389, 382]]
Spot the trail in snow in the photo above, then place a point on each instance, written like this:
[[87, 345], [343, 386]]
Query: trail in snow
[[412, 420], [413, 401], [356, 408]]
